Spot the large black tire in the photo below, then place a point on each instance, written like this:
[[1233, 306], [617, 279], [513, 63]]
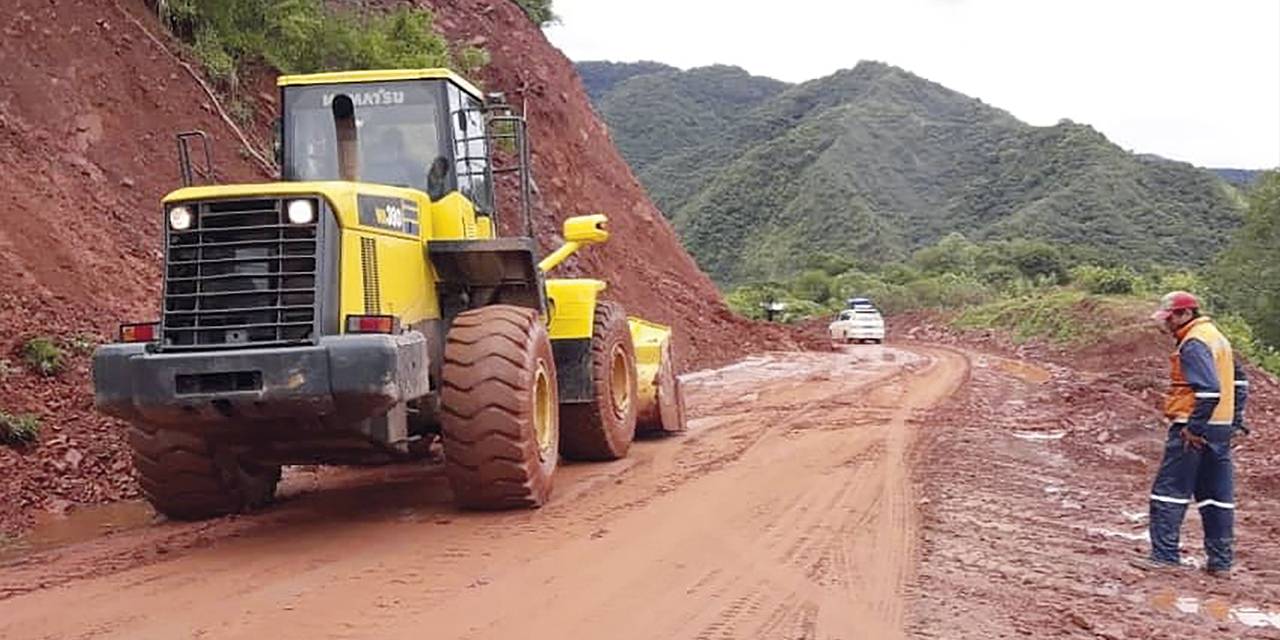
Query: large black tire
[[604, 428], [499, 410], [186, 477]]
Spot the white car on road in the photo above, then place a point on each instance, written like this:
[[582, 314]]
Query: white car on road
[[859, 324]]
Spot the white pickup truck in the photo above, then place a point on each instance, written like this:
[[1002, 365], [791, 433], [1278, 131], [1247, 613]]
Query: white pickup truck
[[863, 323]]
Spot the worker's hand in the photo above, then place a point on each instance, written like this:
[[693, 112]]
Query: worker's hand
[[1192, 441], [1238, 436]]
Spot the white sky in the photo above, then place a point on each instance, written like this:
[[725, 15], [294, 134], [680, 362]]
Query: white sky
[[1197, 81]]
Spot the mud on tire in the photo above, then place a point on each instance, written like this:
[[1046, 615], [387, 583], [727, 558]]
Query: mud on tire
[[500, 412], [186, 477], [604, 428]]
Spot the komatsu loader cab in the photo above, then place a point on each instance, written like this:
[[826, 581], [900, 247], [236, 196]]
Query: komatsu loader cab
[[362, 310]]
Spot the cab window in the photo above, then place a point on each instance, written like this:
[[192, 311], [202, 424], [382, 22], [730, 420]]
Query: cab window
[[470, 149], [398, 124]]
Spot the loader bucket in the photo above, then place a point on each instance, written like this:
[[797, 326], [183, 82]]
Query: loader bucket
[[660, 401]]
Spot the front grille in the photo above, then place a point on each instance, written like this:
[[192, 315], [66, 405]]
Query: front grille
[[241, 276], [369, 276]]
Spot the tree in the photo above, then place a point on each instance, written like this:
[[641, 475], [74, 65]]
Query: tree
[[1247, 276], [539, 11], [831, 263], [1038, 260], [953, 254], [813, 285], [750, 299]]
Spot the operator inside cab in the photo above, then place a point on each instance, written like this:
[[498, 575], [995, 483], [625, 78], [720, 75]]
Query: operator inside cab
[[398, 133]]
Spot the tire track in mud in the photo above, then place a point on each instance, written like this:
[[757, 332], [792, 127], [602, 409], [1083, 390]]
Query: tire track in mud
[[795, 521]]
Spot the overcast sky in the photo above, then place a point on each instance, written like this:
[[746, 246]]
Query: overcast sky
[[1190, 80]]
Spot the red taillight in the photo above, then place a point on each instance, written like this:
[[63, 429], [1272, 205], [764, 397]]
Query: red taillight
[[372, 324], [141, 332]]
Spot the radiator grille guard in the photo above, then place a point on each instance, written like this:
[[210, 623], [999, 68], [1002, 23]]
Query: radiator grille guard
[[241, 276]]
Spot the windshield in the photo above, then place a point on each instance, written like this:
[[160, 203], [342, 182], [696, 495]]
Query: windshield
[[398, 125]]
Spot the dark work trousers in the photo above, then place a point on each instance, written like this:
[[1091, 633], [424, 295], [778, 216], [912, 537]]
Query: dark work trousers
[[1205, 474]]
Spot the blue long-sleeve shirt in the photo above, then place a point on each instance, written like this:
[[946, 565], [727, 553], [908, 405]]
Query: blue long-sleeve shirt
[[1242, 396], [1200, 372]]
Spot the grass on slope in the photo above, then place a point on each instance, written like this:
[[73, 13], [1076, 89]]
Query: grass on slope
[[1074, 318]]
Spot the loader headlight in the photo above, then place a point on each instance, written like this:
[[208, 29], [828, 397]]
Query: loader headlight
[[301, 211], [180, 218]]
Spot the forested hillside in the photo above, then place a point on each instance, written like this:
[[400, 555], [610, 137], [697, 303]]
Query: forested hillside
[[599, 78], [661, 113], [877, 162]]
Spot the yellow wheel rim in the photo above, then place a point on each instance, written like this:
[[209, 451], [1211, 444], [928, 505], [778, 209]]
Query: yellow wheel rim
[[619, 382], [543, 423]]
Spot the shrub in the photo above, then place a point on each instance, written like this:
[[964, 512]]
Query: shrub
[[1042, 315], [797, 310], [892, 298], [43, 356], [19, 429], [1000, 275], [539, 11], [900, 273], [1178, 281], [950, 291], [853, 284], [1038, 260], [813, 285], [1107, 280], [1246, 342], [304, 36], [953, 254], [750, 299]]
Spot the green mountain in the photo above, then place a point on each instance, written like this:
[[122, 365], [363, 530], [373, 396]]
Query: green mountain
[[876, 162], [658, 114], [601, 77], [1238, 177]]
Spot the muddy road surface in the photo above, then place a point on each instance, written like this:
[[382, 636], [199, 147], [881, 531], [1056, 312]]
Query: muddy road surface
[[786, 511]]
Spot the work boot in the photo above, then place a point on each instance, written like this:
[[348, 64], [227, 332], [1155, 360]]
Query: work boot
[[1222, 573], [1147, 563]]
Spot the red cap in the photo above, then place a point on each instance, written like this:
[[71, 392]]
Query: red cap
[[1173, 301]]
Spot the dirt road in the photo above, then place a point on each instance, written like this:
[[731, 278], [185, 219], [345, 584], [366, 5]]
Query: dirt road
[[786, 511]]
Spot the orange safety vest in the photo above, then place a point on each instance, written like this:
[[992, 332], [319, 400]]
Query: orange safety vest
[[1181, 398]]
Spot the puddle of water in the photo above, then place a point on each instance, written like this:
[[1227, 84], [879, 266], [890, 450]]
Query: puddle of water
[[1135, 516], [1035, 435], [1256, 617], [86, 523], [1218, 610], [1108, 533]]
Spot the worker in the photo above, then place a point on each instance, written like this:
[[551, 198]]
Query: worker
[[1201, 406], [390, 162]]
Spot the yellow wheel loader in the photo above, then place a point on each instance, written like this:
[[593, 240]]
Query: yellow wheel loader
[[363, 308]]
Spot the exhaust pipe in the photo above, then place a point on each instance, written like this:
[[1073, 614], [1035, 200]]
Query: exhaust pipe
[[344, 122]]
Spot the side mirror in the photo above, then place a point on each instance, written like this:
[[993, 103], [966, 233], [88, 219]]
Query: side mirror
[[437, 178], [578, 230], [586, 229]]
